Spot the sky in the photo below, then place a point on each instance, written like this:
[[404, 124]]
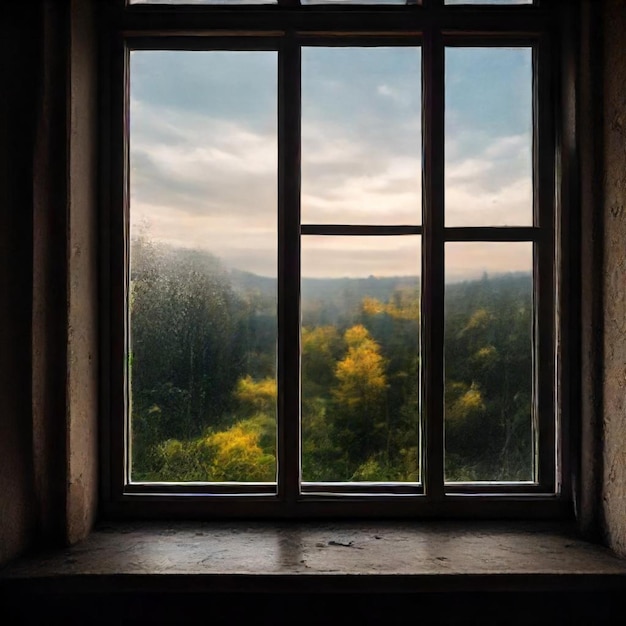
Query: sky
[[203, 155]]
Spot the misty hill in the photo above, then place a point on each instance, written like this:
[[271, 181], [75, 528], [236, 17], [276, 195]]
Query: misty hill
[[338, 300], [327, 300]]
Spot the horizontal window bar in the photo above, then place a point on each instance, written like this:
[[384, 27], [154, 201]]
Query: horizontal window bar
[[359, 38], [362, 488], [480, 489], [308, 488], [314, 506], [461, 39], [349, 229], [509, 20], [218, 40], [492, 233], [242, 489]]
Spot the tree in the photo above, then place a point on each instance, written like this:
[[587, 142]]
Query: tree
[[359, 408], [322, 347], [187, 343], [256, 396], [489, 379], [230, 455]]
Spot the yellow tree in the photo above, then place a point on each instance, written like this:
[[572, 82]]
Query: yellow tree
[[237, 455], [257, 404], [360, 406], [256, 396]]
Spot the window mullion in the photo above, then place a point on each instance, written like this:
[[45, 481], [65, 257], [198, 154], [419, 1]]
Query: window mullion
[[544, 268], [288, 452], [433, 263]]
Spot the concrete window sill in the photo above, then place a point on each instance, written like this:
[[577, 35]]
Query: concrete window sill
[[374, 567]]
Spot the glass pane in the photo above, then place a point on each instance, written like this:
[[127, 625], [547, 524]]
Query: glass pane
[[361, 135], [360, 358], [489, 362], [203, 158], [489, 140]]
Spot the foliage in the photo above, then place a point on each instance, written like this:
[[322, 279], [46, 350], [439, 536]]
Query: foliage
[[256, 396], [230, 455], [203, 377]]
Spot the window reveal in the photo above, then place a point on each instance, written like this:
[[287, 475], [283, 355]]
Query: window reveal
[[322, 326]]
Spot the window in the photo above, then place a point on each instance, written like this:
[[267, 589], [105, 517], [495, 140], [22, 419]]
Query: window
[[334, 260]]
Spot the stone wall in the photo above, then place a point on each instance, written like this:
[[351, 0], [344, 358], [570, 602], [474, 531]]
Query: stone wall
[[614, 278]]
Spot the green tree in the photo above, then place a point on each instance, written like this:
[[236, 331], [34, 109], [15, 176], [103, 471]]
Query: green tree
[[187, 344]]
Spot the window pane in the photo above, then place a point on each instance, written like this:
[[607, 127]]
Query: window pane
[[360, 358], [489, 118], [203, 265], [489, 362], [361, 136]]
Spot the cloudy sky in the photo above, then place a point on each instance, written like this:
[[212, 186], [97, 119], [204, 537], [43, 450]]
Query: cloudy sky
[[204, 154]]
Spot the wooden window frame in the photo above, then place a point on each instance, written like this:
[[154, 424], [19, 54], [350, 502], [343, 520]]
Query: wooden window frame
[[285, 28]]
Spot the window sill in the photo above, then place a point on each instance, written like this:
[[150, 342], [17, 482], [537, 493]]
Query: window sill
[[239, 567]]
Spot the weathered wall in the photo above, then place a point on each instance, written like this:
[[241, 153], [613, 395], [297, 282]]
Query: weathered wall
[[48, 273], [614, 279], [82, 285]]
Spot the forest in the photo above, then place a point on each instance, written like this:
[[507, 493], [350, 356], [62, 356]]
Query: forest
[[202, 368]]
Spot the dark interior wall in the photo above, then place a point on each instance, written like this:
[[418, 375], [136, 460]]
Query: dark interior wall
[[614, 276], [584, 106], [49, 292], [17, 121], [48, 273]]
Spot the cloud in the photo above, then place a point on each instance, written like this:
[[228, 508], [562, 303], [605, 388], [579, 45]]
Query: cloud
[[210, 181], [393, 94], [492, 186], [201, 165], [359, 178]]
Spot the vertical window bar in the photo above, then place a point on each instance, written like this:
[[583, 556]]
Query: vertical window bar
[[289, 270], [544, 267], [126, 265], [116, 230], [433, 262]]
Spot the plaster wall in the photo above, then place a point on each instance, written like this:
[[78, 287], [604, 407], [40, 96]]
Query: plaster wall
[[82, 280], [614, 277], [48, 273]]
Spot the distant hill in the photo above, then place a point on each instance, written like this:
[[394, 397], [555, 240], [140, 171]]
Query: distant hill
[[337, 300], [327, 300], [327, 288]]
